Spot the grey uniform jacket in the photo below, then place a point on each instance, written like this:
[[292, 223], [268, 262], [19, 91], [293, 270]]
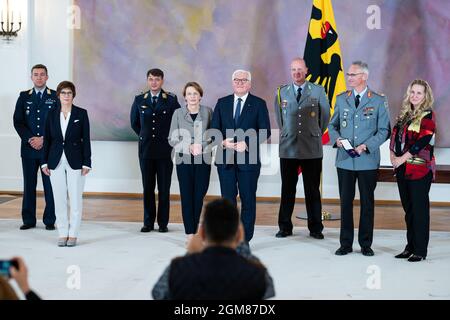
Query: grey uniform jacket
[[368, 124], [184, 131], [301, 123]]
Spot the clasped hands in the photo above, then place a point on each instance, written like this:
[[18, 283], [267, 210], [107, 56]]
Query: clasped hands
[[36, 142], [398, 161], [229, 143]]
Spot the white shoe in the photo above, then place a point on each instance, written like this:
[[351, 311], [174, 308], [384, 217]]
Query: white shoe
[[72, 242]]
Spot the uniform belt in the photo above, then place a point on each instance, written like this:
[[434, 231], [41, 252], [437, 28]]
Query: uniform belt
[[416, 160]]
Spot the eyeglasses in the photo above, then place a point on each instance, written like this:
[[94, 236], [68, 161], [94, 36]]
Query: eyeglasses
[[66, 93], [354, 74], [236, 80]]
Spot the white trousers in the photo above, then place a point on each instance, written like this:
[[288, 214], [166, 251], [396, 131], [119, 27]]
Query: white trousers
[[67, 184]]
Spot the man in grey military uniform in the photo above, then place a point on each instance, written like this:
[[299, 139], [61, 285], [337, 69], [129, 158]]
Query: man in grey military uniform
[[302, 112], [361, 116]]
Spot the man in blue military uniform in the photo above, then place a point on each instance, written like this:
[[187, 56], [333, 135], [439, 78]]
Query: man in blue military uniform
[[361, 121], [151, 115], [302, 111], [29, 121]]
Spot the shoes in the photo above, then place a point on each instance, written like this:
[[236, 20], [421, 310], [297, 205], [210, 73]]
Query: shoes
[[368, 252], [316, 235], [342, 251], [50, 227], [404, 255], [27, 226], [62, 242], [283, 234], [71, 242], [163, 229], [416, 258], [146, 229]]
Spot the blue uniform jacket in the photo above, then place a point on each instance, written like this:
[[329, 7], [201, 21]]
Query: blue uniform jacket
[[153, 125], [29, 119]]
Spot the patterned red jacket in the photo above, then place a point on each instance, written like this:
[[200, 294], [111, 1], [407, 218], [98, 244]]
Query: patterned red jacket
[[417, 137]]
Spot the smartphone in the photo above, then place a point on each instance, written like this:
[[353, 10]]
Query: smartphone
[[5, 265]]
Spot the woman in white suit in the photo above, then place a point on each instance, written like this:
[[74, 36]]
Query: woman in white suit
[[67, 160]]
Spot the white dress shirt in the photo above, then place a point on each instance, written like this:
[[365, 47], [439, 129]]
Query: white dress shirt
[[361, 94], [244, 97], [64, 123]]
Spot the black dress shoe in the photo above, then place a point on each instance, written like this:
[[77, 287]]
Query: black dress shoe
[[368, 252], [316, 235], [342, 251], [416, 258], [163, 229], [50, 227], [283, 234], [404, 255], [26, 227], [146, 229]]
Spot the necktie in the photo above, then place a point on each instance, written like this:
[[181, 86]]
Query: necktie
[[299, 94], [154, 100], [39, 95], [357, 100], [238, 112]]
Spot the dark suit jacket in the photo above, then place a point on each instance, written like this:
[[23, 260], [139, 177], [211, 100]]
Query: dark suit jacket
[[153, 125], [76, 144], [217, 273], [29, 118], [254, 116]]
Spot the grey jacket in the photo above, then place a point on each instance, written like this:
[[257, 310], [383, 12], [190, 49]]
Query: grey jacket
[[368, 124], [184, 131], [301, 123]]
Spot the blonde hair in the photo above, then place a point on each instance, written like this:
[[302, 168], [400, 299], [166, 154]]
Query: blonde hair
[[407, 113], [6, 291]]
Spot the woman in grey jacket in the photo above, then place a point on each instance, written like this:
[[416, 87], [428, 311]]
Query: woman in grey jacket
[[191, 147]]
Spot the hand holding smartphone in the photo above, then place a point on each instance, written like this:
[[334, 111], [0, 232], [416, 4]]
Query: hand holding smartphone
[[5, 265]]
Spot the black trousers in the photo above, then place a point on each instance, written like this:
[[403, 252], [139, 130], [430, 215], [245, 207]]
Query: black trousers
[[311, 170], [156, 171], [416, 203], [30, 168], [231, 180], [194, 183], [367, 182]]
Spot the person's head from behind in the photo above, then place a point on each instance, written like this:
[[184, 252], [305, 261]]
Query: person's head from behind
[[221, 224]]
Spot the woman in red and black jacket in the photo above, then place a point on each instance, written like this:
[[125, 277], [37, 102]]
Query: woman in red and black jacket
[[412, 156]]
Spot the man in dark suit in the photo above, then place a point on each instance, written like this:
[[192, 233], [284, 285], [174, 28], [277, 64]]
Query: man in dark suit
[[243, 123], [215, 266], [151, 114], [29, 121]]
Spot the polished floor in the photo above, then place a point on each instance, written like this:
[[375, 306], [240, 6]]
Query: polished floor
[[113, 260], [107, 208]]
